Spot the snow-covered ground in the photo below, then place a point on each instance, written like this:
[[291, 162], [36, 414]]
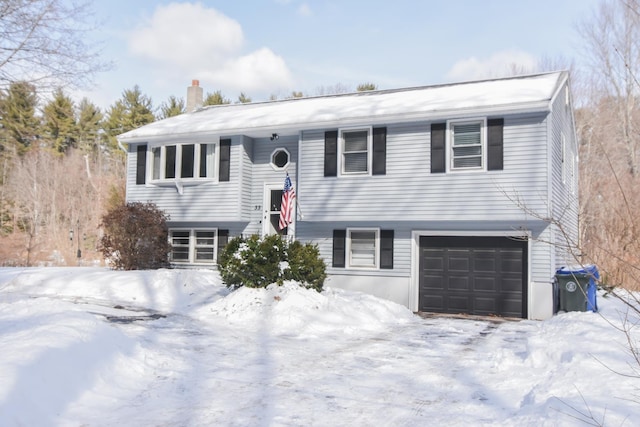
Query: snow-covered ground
[[94, 347]]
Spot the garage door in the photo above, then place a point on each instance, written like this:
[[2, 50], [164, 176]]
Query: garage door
[[473, 275]]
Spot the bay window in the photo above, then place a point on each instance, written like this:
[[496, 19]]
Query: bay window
[[182, 161]]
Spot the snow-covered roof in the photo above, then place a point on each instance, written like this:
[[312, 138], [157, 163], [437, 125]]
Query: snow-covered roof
[[514, 94]]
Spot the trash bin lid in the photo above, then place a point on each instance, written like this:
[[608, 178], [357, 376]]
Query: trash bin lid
[[588, 269]]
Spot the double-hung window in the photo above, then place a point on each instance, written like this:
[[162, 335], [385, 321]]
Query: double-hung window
[[193, 246], [467, 144], [183, 162], [356, 151], [362, 248]]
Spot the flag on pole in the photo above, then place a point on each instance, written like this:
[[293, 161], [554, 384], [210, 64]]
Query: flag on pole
[[288, 202]]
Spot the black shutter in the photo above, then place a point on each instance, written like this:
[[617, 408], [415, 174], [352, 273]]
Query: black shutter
[[141, 164], [386, 249], [438, 148], [339, 245], [379, 151], [331, 153], [223, 239], [225, 159], [495, 151]]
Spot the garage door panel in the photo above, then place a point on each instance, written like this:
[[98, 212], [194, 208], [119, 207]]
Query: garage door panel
[[481, 283], [459, 304], [476, 275], [512, 284], [432, 262], [484, 306], [458, 283], [432, 303], [432, 282], [458, 264]]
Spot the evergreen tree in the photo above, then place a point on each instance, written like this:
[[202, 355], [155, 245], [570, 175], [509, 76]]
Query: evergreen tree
[[60, 122], [366, 86], [17, 115], [243, 99], [89, 124], [173, 107], [133, 110], [215, 98]]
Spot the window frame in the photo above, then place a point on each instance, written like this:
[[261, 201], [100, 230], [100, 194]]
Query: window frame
[[272, 162], [157, 162], [193, 245], [341, 151], [483, 144], [349, 253]]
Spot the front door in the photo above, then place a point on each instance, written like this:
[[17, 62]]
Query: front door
[[271, 211]]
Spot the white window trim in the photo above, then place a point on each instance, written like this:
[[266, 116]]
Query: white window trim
[[348, 263], [341, 132], [192, 246], [196, 164], [273, 165], [483, 144]]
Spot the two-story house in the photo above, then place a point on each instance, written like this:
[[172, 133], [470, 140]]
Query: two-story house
[[456, 198]]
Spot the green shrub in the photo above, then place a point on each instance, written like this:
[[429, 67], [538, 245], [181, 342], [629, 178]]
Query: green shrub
[[305, 265], [256, 263]]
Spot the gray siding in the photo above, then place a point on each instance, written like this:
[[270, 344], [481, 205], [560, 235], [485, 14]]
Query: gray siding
[[564, 182], [210, 201], [410, 192], [246, 177], [265, 174]]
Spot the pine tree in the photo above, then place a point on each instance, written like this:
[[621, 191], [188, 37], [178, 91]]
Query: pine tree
[[133, 110], [60, 123], [216, 98], [89, 124], [17, 116], [243, 98], [173, 107], [366, 86]]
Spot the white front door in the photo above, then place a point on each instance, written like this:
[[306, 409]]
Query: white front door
[[271, 210]]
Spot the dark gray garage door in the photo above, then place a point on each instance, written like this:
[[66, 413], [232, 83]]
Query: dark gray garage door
[[473, 275]]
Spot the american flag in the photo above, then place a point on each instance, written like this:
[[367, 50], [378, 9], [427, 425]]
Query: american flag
[[288, 202]]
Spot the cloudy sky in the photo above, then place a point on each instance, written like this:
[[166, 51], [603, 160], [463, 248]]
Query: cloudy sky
[[265, 47]]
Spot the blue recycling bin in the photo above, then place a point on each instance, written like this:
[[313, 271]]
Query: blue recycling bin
[[577, 288]]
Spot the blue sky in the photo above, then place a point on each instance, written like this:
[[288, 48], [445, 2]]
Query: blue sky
[[264, 47]]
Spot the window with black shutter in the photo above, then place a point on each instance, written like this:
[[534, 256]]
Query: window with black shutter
[[225, 159], [386, 249], [331, 153], [141, 164], [339, 246], [379, 151], [438, 148], [495, 144]]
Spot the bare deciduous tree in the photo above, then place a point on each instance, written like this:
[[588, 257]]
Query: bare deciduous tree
[[46, 42]]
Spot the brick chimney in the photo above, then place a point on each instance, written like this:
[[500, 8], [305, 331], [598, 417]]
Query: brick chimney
[[194, 96]]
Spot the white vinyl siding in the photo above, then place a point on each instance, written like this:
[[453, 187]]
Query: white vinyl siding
[[355, 151], [362, 248], [467, 145], [193, 246]]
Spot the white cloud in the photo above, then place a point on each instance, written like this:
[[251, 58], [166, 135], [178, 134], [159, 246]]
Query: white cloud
[[256, 71], [186, 33], [189, 40], [499, 64]]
